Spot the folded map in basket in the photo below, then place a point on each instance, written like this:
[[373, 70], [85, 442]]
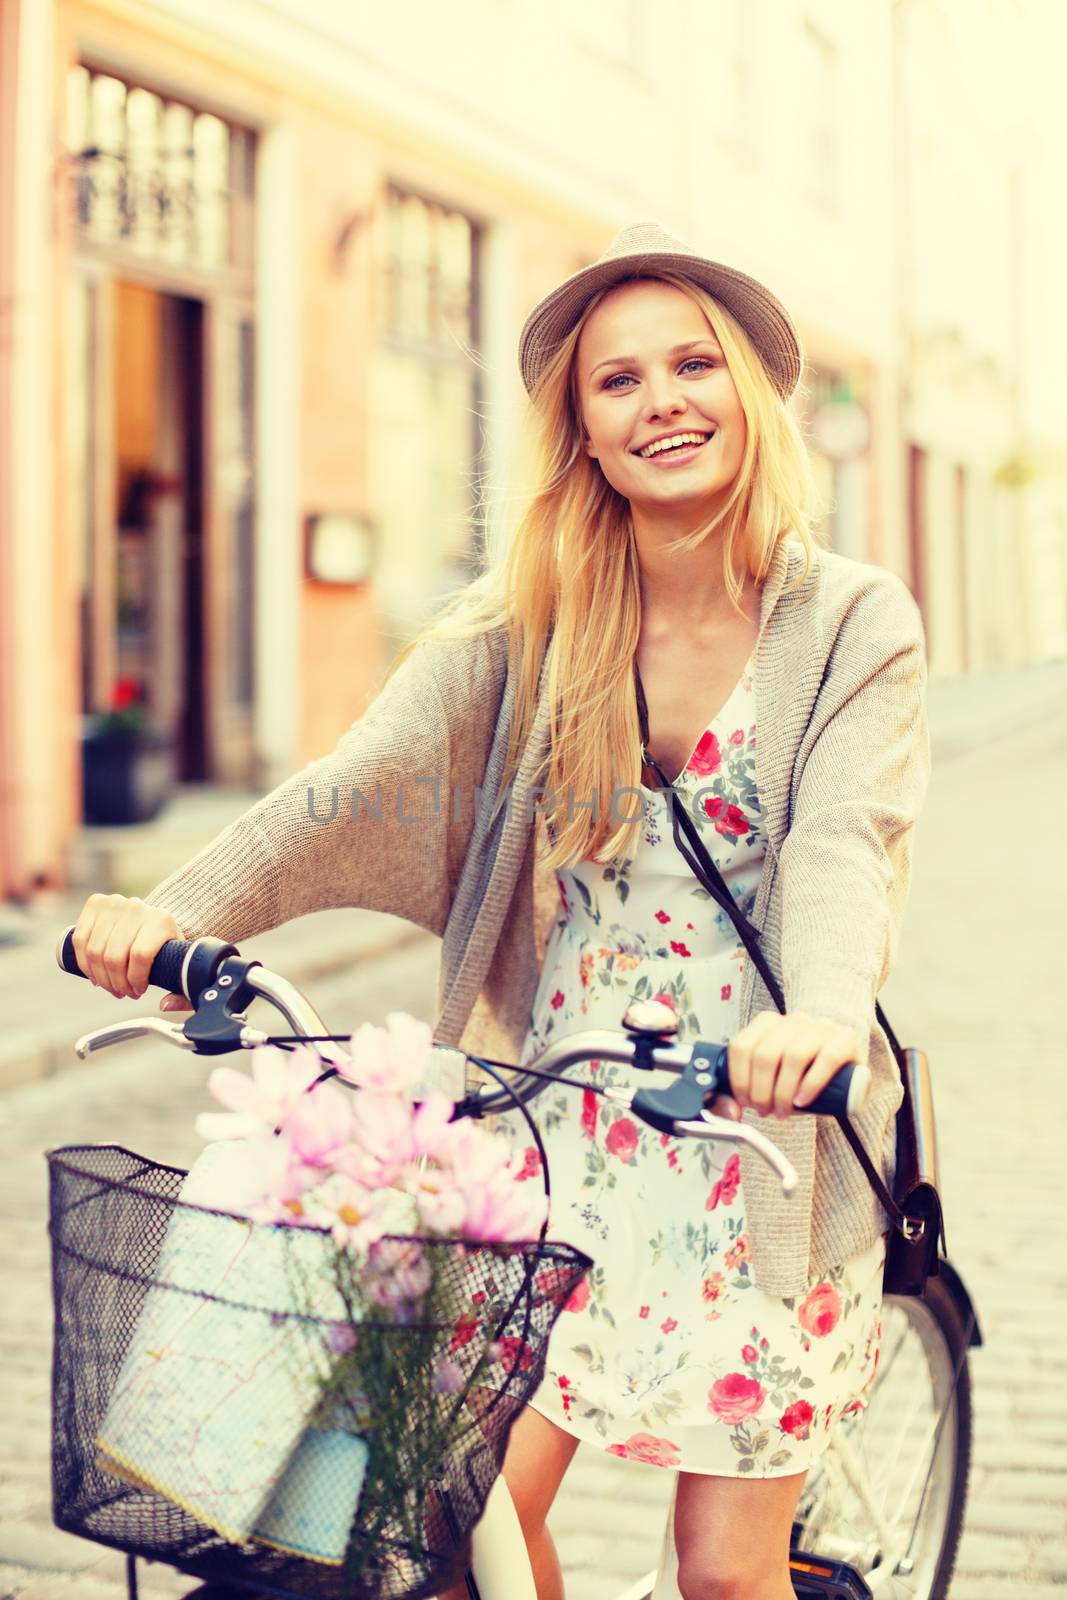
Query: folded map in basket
[[215, 1404]]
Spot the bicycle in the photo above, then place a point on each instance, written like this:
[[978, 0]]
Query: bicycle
[[881, 1514]]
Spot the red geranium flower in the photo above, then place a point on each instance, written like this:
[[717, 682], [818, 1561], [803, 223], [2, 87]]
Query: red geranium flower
[[679, 948], [126, 693], [661, 916]]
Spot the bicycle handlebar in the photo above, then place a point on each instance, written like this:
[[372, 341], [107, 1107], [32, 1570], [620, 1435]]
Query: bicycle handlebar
[[191, 967], [181, 966]]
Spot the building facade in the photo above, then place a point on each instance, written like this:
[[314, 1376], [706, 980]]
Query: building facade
[[265, 268]]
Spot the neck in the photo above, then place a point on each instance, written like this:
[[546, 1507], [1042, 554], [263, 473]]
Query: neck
[[685, 589]]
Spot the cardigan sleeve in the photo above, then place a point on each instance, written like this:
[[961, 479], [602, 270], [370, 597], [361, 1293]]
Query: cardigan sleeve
[[366, 826], [860, 780]]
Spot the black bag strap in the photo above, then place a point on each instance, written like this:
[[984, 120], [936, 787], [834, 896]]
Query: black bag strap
[[710, 878]]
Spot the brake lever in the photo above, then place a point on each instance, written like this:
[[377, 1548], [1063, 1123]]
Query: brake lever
[[173, 1032], [134, 1028], [709, 1126]]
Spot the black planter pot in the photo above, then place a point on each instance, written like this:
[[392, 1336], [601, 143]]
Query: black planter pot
[[127, 776]]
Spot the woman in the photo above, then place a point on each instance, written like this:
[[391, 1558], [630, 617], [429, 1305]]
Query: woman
[[724, 1329]]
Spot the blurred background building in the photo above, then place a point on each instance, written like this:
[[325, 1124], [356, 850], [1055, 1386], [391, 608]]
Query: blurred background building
[[263, 267]]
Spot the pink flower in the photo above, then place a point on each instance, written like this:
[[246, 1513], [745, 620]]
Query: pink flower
[[726, 991], [390, 1059], [735, 1397], [737, 737], [706, 758], [646, 1447], [319, 1124], [796, 1419], [819, 1313], [621, 1139], [643, 1313], [661, 916], [398, 1272], [668, 1326], [557, 999], [258, 1103], [447, 1377], [748, 1354], [258, 1178]]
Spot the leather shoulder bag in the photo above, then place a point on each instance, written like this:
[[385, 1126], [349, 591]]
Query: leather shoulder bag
[[914, 1207]]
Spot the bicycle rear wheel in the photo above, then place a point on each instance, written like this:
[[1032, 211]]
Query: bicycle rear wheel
[[889, 1493]]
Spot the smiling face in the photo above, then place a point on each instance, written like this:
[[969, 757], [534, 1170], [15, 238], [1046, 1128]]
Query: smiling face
[[635, 385]]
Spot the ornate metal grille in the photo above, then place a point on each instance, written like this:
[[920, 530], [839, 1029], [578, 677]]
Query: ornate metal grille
[[173, 183]]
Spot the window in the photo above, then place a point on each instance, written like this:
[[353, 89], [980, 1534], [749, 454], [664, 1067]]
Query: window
[[425, 407], [173, 183]]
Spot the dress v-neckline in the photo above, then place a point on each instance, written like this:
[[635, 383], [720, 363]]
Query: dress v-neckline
[[708, 726]]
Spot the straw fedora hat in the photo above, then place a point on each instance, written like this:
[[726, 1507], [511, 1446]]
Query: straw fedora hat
[[644, 247]]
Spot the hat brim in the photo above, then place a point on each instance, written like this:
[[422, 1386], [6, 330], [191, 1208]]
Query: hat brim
[[763, 317]]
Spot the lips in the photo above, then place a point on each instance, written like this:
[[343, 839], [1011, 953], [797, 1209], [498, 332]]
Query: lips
[[708, 434]]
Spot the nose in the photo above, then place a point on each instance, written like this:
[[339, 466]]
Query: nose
[[665, 398]]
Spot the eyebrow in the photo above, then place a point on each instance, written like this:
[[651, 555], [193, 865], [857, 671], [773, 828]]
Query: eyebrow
[[677, 351]]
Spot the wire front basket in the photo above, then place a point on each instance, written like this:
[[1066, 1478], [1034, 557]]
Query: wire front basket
[[217, 1405]]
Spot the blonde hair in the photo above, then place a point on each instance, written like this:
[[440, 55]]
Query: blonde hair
[[573, 556]]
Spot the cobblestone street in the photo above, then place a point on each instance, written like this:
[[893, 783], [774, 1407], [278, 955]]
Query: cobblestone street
[[978, 983]]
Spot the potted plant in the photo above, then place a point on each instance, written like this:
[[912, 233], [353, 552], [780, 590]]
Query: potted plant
[[127, 764]]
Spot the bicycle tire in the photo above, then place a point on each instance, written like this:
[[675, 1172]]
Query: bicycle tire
[[936, 1324]]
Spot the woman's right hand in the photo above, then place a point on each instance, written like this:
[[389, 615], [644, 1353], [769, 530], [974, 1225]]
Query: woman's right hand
[[116, 938]]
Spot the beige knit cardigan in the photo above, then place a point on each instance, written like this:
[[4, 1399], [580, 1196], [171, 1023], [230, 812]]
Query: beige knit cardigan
[[393, 821]]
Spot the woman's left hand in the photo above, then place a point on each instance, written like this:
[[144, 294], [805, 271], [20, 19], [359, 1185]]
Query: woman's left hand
[[778, 1063]]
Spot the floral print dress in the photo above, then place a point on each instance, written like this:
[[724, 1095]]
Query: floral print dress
[[668, 1353]]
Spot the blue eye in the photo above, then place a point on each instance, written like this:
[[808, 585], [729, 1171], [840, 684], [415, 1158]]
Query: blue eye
[[692, 361]]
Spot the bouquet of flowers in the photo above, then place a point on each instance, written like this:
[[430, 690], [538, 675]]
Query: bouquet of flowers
[[347, 1284]]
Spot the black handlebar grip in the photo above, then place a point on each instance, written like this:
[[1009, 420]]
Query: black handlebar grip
[[844, 1095], [181, 966]]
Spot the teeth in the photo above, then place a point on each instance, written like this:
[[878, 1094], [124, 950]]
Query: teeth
[[675, 439]]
